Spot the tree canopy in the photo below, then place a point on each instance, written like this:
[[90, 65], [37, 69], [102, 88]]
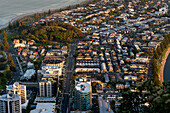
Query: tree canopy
[[51, 31], [5, 41]]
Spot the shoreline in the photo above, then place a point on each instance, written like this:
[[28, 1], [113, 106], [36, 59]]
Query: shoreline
[[16, 18], [32, 13], [161, 75]]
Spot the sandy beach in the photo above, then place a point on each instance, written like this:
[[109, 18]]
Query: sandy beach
[[161, 76], [14, 19]]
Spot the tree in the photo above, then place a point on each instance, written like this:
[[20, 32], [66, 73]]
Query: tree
[[12, 66], [112, 104], [69, 39], [154, 63], [1, 46], [158, 100], [5, 41], [156, 80], [157, 97], [4, 33], [8, 72], [10, 57], [49, 11], [51, 38], [35, 16], [17, 23], [130, 102], [112, 83], [156, 55], [159, 50], [45, 37], [54, 31], [162, 46], [10, 26], [165, 43]]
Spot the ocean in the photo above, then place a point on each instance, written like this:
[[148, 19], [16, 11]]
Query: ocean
[[10, 9], [167, 70]]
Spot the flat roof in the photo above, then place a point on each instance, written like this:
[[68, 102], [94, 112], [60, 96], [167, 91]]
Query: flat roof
[[44, 108], [10, 97], [50, 67], [16, 86], [45, 99], [83, 87], [29, 73]]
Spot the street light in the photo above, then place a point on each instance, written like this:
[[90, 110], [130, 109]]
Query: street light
[[108, 104]]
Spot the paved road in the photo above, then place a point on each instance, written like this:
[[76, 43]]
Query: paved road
[[149, 73], [68, 81]]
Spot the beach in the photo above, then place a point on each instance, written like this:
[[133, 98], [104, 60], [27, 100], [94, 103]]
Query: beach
[[167, 70], [23, 8], [161, 76]]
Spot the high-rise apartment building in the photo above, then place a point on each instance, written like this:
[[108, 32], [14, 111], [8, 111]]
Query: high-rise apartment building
[[82, 94], [10, 103], [47, 87], [16, 88]]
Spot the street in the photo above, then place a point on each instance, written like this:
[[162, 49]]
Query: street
[[68, 81]]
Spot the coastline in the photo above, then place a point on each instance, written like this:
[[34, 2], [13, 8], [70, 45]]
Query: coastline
[[32, 13], [16, 18], [161, 75]]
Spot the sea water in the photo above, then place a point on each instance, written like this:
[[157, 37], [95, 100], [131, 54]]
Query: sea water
[[10, 9], [167, 70]]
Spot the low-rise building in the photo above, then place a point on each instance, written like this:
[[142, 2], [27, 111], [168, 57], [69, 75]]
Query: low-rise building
[[44, 108], [52, 71]]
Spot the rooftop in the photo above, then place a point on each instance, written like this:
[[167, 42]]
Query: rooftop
[[50, 67], [10, 97], [15, 86], [44, 108], [83, 87], [45, 99]]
